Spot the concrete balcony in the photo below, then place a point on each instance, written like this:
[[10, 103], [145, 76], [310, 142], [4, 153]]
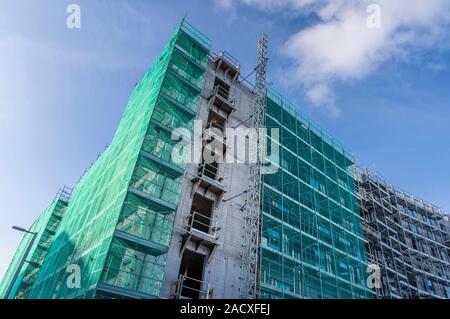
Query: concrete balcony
[[208, 177]]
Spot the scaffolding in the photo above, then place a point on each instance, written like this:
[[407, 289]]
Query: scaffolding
[[119, 222], [312, 243], [411, 248], [44, 230]]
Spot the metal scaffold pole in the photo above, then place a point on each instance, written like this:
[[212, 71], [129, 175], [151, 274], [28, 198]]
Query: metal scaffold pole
[[252, 217]]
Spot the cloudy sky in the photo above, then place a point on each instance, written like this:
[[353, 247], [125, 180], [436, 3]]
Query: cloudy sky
[[382, 91]]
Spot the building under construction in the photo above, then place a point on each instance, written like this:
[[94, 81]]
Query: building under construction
[[407, 238], [142, 224]]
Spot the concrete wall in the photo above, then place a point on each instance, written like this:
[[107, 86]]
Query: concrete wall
[[223, 270]]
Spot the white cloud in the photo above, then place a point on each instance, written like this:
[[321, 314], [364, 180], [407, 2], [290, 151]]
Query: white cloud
[[266, 5], [340, 46], [321, 95], [224, 4]]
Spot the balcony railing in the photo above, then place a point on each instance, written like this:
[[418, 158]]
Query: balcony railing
[[209, 177], [132, 282], [211, 172], [179, 98], [154, 184], [45, 245], [159, 149], [167, 114], [201, 60], [228, 60], [220, 98], [191, 288], [195, 79], [146, 224], [223, 93], [196, 35], [202, 226]]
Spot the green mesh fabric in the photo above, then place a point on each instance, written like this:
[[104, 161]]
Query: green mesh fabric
[[129, 196], [45, 226], [312, 237]]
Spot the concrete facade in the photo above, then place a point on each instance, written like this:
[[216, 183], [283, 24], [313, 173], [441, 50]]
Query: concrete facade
[[221, 273]]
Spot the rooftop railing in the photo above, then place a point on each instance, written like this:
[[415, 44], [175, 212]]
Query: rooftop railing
[[195, 34]]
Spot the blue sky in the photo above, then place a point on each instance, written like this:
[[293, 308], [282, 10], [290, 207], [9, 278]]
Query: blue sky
[[384, 95]]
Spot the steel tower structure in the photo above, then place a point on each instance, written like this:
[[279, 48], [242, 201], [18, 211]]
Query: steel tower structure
[[250, 255]]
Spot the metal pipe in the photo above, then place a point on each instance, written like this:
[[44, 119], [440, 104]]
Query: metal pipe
[[22, 261]]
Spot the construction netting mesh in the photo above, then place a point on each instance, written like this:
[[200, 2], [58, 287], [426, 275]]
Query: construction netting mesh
[[44, 229], [312, 237], [103, 203]]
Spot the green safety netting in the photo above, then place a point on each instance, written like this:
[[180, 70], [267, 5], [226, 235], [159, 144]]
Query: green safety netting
[[126, 192], [312, 238], [45, 228]]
